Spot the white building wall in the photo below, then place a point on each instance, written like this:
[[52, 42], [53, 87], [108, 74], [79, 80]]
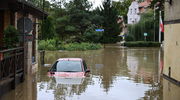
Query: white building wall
[[133, 12]]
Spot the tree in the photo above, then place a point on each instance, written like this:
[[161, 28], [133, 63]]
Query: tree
[[78, 11], [96, 18], [48, 28], [110, 25], [145, 25], [122, 8]]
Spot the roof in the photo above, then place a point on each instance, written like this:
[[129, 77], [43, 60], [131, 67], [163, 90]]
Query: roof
[[31, 7], [144, 4], [22, 5], [71, 59]]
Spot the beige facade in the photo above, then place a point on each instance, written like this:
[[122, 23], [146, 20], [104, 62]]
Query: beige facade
[[170, 90], [172, 41]]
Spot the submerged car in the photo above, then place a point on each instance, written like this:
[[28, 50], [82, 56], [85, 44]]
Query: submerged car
[[69, 68]]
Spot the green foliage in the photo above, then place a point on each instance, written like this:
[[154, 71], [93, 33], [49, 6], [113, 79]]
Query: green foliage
[[10, 37], [48, 28], [96, 17], [52, 44], [91, 35], [142, 44], [82, 46], [122, 8], [110, 25], [129, 38], [79, 16], [75, 39], [47, 44], [145, 25], [75, 22]]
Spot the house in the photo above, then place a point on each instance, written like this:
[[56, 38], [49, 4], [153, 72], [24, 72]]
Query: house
[[171, 70], [25, 17], [133, 13], [144, 5], [135, 9]]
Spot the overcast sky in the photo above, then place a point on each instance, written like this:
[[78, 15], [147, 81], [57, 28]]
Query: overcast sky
[[96, 3]]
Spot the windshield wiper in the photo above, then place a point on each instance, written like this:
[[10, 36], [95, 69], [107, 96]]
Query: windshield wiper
[[70, 71]]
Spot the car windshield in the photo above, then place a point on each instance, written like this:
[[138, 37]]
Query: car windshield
[[68, 66]]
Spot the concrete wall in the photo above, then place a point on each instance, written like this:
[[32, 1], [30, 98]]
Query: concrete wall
[[172, 40], [170, 90], [172, 12]]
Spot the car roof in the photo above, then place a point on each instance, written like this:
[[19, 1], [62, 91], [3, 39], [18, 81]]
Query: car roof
[[70, 59]]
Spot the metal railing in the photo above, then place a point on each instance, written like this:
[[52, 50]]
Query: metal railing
[[11, 62]]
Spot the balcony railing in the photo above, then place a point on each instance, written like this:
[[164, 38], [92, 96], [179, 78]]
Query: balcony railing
[[11, 62]]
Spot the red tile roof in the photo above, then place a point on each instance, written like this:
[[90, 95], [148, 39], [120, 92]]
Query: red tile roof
[[145, 3]]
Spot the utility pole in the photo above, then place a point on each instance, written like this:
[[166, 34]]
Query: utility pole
[[154, 23]]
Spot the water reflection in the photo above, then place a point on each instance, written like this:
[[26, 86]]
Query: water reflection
[[24, 91], [116, 73]]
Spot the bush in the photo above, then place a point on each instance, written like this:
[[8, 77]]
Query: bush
[[10, 37], [75, 39], [81, 46], [142, 44], [47, 44], [53, 44], [129, 38]]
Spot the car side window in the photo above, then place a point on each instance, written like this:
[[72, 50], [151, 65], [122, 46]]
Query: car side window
[[53, 69], [85, 66]]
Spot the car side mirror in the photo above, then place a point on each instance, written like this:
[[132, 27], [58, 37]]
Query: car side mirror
[[87, 70]]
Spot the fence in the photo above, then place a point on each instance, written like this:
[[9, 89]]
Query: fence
[[11, 64]]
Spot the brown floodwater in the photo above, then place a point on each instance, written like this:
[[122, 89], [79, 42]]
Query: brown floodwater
[[116, 74]]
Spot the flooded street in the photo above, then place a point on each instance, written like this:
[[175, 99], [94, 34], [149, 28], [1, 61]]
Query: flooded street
[[116, 74]]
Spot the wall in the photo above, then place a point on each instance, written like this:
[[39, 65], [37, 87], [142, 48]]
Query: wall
[[1, 27], [170, 90], [172, 40], [133, 11], [6, 18], [30, 67]]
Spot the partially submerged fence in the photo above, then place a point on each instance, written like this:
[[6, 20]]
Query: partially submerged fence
[[11, 65]]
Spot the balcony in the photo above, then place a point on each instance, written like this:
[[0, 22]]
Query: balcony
[[11, 64]]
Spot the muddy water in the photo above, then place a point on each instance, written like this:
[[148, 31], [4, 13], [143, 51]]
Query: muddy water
[[116, 74]]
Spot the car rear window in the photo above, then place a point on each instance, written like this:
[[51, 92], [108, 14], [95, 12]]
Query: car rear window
[[68, 66]]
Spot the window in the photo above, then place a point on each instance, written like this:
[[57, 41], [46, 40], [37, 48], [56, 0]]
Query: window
[[68, 66], [53, 69], [85, 66]]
